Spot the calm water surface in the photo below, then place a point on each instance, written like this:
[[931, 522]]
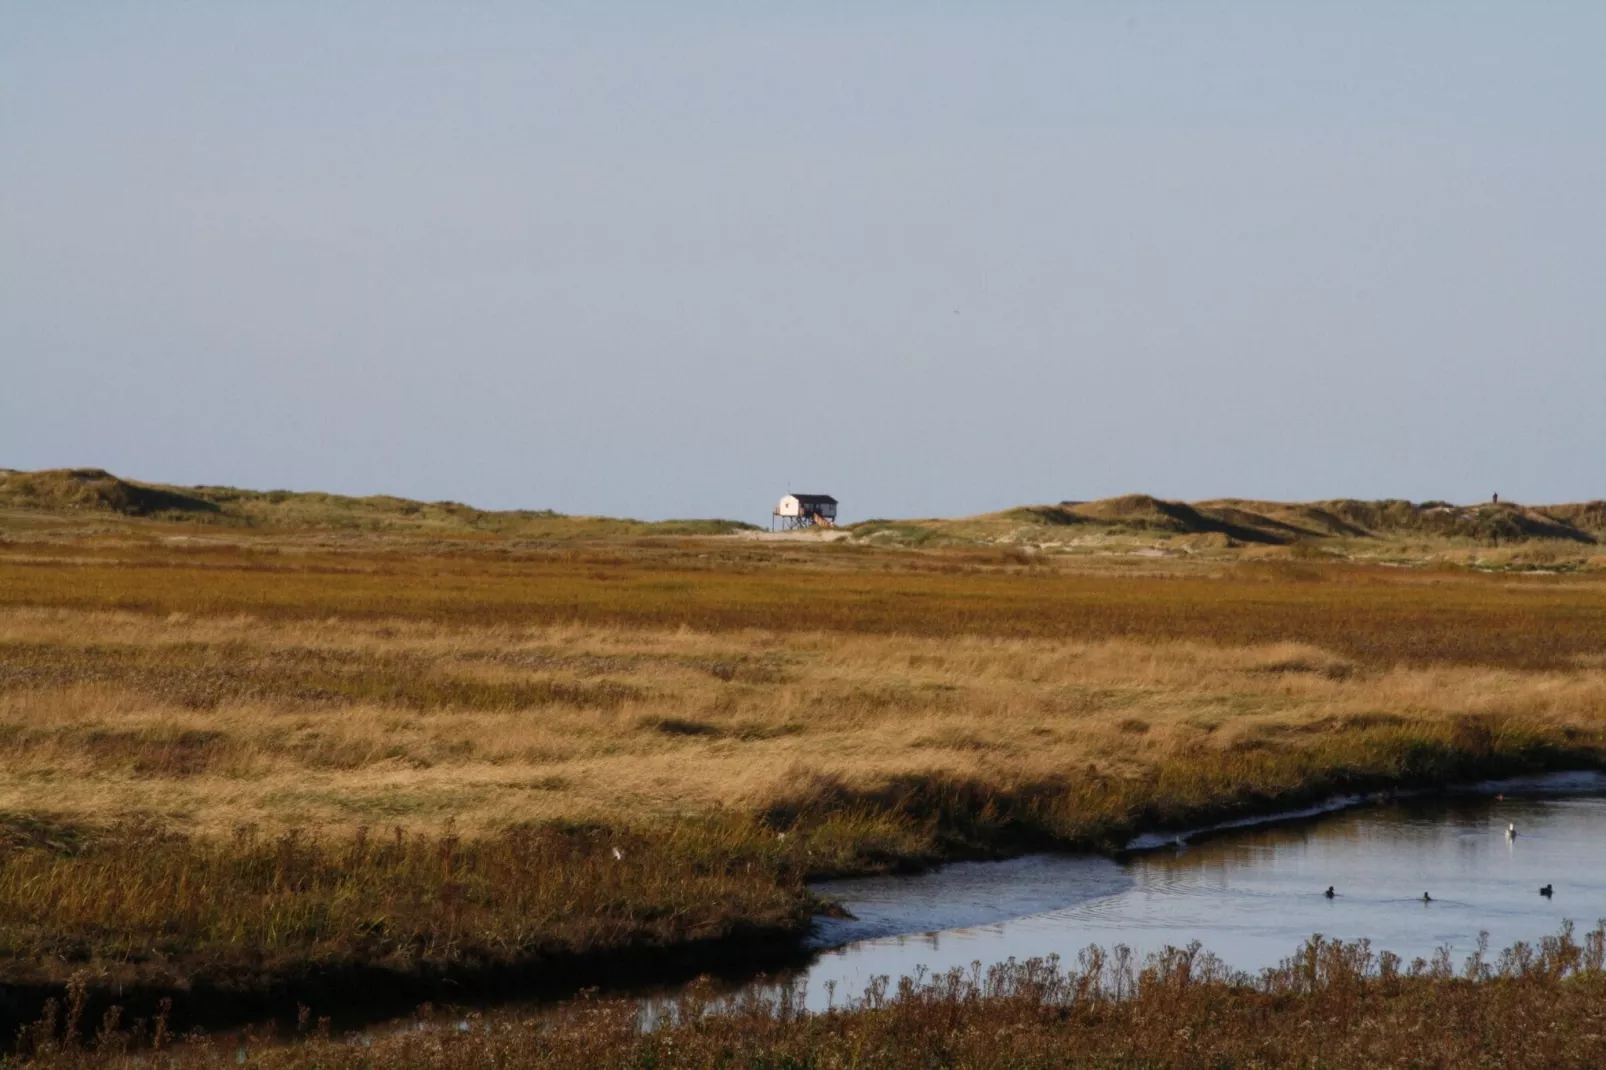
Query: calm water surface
[[1251, 895]]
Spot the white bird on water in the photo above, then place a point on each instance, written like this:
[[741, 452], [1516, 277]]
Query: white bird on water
[[1511, 831]]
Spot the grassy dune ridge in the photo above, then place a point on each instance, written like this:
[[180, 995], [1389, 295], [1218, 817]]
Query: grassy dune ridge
[[239, 761], [86, 493], [81, 492]]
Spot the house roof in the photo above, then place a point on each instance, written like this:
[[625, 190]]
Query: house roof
[[813, 499]]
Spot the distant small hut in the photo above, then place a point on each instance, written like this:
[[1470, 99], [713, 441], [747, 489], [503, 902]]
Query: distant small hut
[[805, 511]]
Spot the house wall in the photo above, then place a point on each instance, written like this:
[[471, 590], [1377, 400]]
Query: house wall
[[790, 506]]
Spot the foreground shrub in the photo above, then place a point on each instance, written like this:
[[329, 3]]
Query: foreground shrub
[[1331, 1004]]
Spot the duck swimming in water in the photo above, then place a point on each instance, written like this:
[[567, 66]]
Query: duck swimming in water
[[1511, 832], [1329, 893], [1426, 898], [1547, 891]]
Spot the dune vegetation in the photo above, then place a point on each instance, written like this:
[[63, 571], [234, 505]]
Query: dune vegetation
[[248, 764]]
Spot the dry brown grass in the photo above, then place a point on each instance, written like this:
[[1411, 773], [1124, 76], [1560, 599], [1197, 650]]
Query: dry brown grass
[[214, 723]]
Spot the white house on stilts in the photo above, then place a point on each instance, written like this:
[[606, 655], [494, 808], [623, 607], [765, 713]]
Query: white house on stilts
[[804, 511]]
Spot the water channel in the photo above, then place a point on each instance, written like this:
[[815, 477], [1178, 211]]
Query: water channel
[[1251, 895], [1250, 892]]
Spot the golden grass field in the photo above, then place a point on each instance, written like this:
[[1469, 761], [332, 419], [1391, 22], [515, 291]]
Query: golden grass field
[[234, 756], [209, 724]]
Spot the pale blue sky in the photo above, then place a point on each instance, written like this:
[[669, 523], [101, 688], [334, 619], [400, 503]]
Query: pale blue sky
[[669, 259]]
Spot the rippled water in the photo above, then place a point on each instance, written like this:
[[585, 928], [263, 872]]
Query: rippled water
[[1251, 895]]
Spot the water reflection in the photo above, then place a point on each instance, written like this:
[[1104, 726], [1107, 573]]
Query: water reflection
[[1251, 897]]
